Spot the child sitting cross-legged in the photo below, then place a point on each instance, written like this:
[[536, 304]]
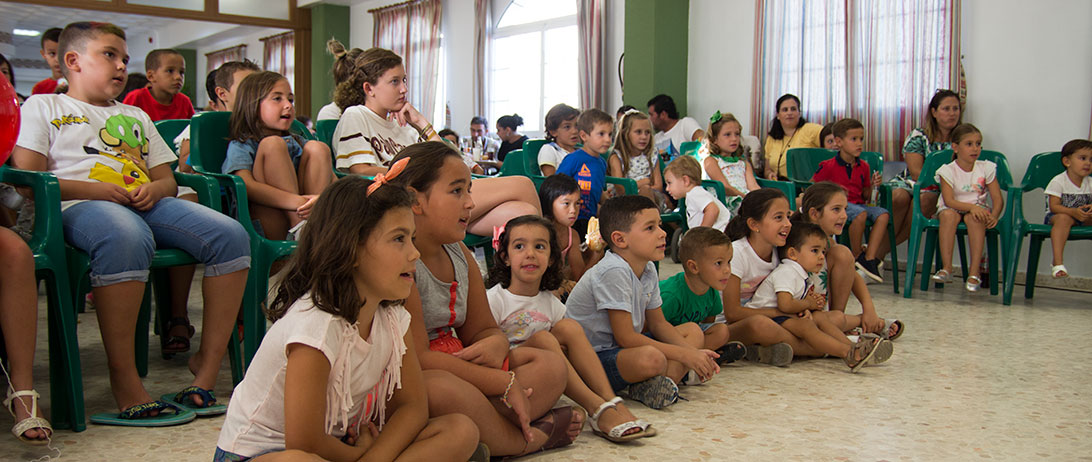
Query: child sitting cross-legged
[[683, 179], [787, 296], [618, 304], [694, 294], [526, 269]]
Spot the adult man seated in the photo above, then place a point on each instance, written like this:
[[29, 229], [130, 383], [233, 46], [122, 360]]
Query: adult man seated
[[671, 131]]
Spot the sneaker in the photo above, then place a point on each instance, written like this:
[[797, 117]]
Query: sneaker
[[691, 378], [867, 279], [870, 268], [294, 233], [656, 393], [779, 354], [731, 352]]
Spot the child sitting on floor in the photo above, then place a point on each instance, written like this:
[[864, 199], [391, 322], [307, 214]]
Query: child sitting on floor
[[694, 294], [683, 178], [618, 304], [337, 375], [1069, 199], [526, 269], [787, 296]]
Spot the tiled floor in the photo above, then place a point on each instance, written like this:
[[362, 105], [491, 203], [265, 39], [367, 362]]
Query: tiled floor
[[971, 379]]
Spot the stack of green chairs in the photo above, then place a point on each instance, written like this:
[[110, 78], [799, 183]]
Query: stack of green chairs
[[50, 264], [930, 226], [1043, 168], [208, 147]]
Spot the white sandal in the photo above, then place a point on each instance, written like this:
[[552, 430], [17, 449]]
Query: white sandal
[[1059, 269], [618, 433], [29, 423]]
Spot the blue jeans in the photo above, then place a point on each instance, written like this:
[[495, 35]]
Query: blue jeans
[[121, 240], [854, 210]]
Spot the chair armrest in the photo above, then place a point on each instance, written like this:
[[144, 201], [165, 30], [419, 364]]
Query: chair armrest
[[208, 193], [717, 186], [628, 184], [47, 203]]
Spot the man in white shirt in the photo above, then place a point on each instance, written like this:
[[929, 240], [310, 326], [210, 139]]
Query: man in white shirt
[[671, 131]]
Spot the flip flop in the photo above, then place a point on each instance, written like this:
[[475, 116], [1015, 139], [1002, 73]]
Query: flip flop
[[169, 414], [184, 400]]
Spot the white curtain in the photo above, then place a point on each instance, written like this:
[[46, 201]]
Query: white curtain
[[483, 38], [591, 20], [279, 56], [216, 58], [412, 30], [877, 61]]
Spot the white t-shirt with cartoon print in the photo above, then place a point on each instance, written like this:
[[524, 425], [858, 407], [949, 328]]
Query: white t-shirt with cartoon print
[[116, 144], [363, 137], [520, 316]]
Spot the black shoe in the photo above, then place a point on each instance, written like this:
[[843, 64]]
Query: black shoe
[[731, 352], [871, 268]]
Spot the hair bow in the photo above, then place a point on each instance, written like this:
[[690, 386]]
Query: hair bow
[[716, 118], [392, 173], [497, 231]]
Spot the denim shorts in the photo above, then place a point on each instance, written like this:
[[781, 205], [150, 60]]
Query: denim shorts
[[609, 359], [122, 240], [874, 212]]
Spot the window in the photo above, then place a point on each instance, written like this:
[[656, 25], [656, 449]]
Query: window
[[534, 62], [879, 62]]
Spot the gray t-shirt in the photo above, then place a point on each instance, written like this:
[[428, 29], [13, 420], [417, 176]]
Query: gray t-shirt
[[612, 285], [443, 304]]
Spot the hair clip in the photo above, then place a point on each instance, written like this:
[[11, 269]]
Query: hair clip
[[383, 178], [497, 231], [716, 118]]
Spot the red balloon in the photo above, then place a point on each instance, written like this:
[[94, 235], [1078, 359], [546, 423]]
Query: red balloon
[[9, 119]]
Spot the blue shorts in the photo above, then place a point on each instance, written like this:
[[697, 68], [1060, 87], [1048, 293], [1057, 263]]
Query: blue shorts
[[609, 359], [874, 212], [780, 319], [706, 325]]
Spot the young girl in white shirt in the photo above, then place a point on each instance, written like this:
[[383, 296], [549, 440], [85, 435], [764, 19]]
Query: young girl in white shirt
[[525, 272], [727, 158], [969, 193], [634, 156], [1069, 199], [563, 136], [337, 377]]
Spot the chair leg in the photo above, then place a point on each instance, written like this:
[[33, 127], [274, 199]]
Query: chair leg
[[1035, 246], [963, 261], [161, 291], [65, 377], [140, 343], [1017, 241], [912, 262], [932, 252], [894, 256], [992, 251]]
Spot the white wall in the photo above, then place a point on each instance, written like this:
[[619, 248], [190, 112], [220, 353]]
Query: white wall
[[253, 52], [1028, 69]]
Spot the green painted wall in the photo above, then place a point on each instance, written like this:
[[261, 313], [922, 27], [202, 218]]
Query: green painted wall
[[327, 21], [192, 82], [656, 51]]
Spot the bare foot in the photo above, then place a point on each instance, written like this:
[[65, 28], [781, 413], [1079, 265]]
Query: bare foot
[[129, 391]]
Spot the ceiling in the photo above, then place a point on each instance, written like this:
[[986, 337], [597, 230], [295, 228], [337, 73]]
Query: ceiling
[[40, 18]]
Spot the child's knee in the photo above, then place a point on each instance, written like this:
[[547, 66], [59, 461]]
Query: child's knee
[[272, 143], [689, 329], [458, 429], [567, 329], [544, 339], [317, 150], [839, 255], [718, 331], [648, 361], [1062, 219]]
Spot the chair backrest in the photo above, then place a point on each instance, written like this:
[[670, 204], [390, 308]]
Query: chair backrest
[[209, 139], [802, 163], [938, 159], [689, 148], [1042, 168], [514, 164], [875, 161], [530, 155], [325, 131], [169, 129], [298, 128]]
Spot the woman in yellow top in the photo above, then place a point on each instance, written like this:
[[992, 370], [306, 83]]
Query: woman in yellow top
[[789, 130]]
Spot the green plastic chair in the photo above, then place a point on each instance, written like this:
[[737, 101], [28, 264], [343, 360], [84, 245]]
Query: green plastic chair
[[690, 148], [885, 197], [530, 156], [514, 164], [802, 163], [47, 244], [1042, 168], [169, 129], [931, 226], [324, 131], [208, 147]]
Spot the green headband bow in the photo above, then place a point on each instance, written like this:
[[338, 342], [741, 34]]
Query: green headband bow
[[716, 118]]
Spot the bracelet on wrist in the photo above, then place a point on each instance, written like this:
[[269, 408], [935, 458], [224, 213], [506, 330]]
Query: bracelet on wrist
[[504, 397]]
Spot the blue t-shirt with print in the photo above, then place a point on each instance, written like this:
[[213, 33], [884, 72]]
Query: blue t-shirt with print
[[590, 172]]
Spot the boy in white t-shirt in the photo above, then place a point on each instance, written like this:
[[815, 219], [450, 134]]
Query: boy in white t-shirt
[[1069, 199], [786, 296], [115, 175], [682, 179]]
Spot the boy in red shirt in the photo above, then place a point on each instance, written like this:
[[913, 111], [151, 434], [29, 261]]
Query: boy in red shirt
[[851, 173], [49, 53], [162, 98]]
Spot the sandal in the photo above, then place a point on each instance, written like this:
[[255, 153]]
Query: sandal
[[176, 343], [973, 284], [1059, 272], [557, 428], [29, 423], [622, 432], [887, 323], [861, 353], [943, 277], [184, 399]]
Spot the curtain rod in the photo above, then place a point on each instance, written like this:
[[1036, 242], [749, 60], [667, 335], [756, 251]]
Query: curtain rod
[[225, 49], [396, 5], [274, 36]]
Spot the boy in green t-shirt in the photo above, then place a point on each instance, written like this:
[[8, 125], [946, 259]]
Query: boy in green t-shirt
[[689, 296]]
